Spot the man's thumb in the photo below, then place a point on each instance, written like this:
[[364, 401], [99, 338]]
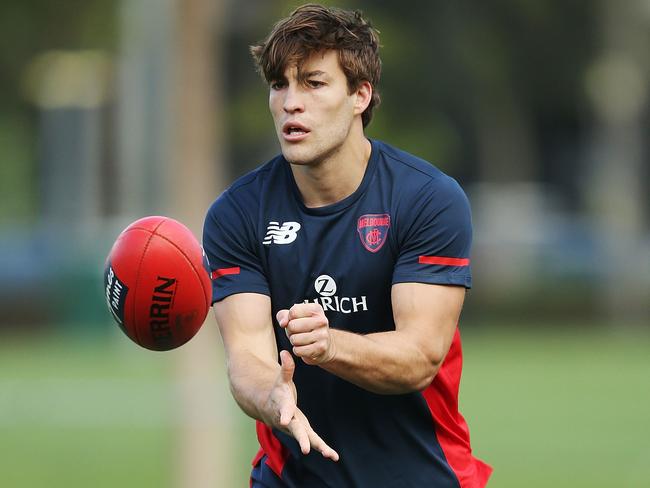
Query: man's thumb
[[282, 317], [287, 366]]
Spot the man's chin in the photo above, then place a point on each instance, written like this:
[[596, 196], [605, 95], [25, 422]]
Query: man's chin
[[295, 156]]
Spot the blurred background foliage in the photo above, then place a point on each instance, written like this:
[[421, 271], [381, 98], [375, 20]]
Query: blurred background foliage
[[111, 110], [30, 28]]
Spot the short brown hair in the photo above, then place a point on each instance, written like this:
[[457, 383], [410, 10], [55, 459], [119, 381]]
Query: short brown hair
[[312, 28]]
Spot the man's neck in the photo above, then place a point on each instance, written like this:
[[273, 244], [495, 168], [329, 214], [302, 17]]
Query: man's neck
[[336, 177]]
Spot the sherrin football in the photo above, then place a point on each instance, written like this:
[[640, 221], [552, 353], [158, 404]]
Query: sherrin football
[[157, 287]]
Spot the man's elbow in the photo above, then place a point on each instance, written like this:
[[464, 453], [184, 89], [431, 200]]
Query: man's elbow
[[422, 381], [407, 377], [427, 372], [417, 378]]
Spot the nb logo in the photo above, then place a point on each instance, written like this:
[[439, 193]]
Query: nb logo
[[281, 234]]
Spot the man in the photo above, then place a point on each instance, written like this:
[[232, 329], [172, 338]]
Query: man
[[350, 259]]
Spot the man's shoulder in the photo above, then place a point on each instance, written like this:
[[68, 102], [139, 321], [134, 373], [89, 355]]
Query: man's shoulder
[[252, 184], [255, 179], [242, 197], [414, 172]]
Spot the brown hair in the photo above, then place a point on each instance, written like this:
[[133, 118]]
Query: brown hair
[[312, 28]]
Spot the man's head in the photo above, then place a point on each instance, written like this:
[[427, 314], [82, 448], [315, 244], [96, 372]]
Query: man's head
[[313, 29]]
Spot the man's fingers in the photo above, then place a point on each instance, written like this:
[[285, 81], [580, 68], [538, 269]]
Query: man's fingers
[[303, 339], [298, 430], [307, 438], [287, 366], [309, 351], [301, 424], [305, 324], [321, 446], [304, 310]]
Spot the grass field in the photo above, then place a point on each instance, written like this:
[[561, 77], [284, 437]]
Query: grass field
[[559, 406]]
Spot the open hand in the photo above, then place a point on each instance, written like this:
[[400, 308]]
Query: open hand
[[284, 414]]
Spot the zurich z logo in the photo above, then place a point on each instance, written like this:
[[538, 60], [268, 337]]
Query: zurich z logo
[[281, 234]]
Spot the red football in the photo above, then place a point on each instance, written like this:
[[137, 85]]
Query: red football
[[157, 287]]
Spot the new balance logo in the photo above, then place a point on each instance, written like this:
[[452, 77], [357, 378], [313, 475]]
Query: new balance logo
[[281, 234]]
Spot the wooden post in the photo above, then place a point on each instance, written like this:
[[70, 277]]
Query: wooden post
[[196, 177]]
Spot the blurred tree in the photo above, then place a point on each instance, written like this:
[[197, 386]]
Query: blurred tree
[[28, 28], [492, 93], [618, 84], [486, 91]]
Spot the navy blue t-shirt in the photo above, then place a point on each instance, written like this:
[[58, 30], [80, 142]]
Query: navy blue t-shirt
[[406, 222]]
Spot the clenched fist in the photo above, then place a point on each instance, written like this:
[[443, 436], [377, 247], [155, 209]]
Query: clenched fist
[[309, 332]]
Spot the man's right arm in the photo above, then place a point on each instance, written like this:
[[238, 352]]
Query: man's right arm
[[263, 388], [244, 321]]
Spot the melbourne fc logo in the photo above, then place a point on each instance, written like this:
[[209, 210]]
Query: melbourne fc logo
[[373, 230]]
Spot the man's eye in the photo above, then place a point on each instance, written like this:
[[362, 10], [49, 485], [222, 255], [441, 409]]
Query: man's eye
[[315, 83], [277, 85]]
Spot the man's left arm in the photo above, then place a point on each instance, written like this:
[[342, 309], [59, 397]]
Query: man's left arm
[[400, 361]]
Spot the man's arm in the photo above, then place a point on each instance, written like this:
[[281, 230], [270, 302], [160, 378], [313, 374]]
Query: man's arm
[[263, 388], [399, 361]]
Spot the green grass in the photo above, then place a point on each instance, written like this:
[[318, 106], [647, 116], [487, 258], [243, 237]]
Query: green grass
[[81, 414], [83, 457], [559, 406]]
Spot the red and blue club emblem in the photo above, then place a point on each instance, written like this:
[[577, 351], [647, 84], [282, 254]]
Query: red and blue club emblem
[[373, 230]]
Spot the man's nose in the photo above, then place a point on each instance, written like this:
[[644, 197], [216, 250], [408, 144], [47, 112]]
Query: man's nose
[[293, 99]]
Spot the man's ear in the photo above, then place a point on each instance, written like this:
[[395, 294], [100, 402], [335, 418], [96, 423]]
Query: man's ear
[[363, 95]]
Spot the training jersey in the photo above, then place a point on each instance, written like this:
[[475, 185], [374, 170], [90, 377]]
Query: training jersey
[[406, 222]]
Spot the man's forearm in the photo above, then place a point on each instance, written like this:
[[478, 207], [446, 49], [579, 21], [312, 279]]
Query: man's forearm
[[251, 381], [385, 362]]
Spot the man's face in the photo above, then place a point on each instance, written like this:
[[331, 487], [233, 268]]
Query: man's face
[[312, 109]]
